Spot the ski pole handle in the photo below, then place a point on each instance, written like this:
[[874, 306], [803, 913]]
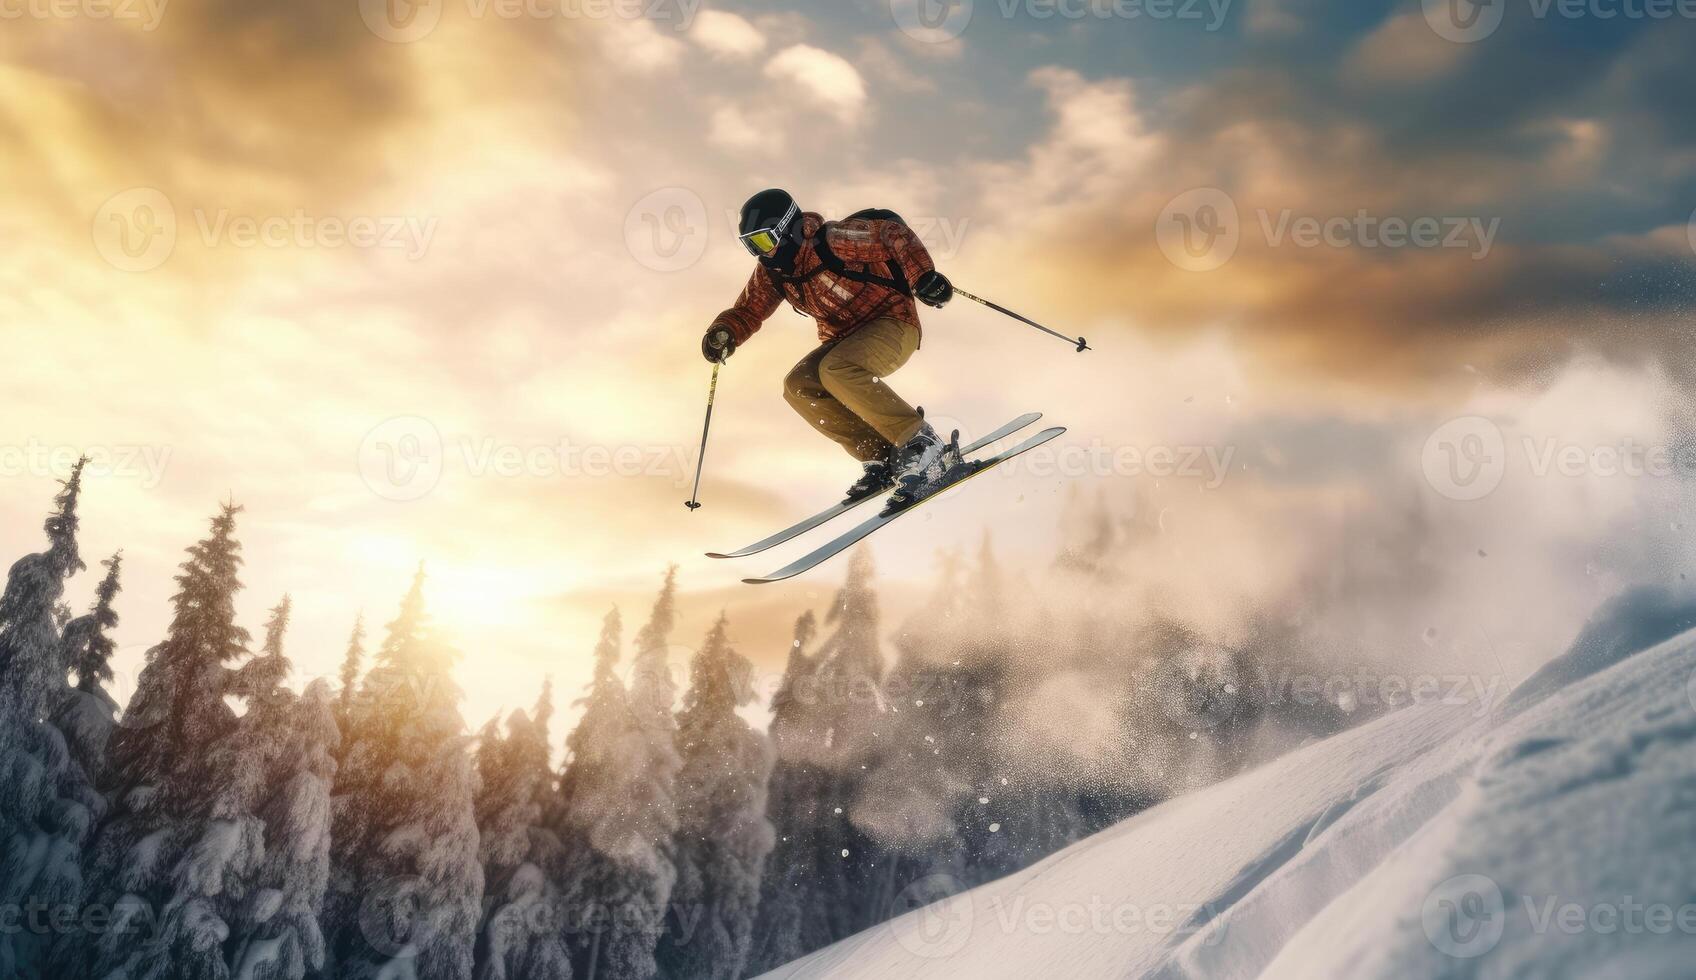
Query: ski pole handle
[[997, 307], [694, 501]]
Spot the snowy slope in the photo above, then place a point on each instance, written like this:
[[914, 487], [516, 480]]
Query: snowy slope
[[1551, 834]]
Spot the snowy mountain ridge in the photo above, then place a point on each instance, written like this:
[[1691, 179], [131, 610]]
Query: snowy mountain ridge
[[1543, 835]]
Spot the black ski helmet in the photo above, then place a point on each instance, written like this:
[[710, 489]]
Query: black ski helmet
[[770, 224]]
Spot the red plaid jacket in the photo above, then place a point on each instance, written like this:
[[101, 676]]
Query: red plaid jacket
[[840, 305]]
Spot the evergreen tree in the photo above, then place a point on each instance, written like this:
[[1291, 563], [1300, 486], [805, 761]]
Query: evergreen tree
[[280, 935], [619, 808], [723, 835], [520, 937], [827, 878], [351, 663], [178, 707], [32, 667], [87, 712], [986, 587], [586, 770], [47, 805], [781, 934], [167, 855], [246, 884], [408, 887]]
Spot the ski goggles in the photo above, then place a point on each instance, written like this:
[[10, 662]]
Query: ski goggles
[[764, 241]]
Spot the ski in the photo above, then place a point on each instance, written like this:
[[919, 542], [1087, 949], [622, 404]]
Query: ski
[[832, 513], [865, 528]]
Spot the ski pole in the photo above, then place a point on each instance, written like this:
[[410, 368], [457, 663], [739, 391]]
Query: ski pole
[[694, 501], [997, 307]]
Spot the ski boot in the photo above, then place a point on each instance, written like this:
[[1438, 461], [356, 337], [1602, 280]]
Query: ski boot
[[878, 478], [923, 466]]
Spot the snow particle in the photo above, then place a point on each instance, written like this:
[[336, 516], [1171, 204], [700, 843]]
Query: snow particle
[[995, 828], [838, 809], [919, 703], [984, 800], [845, 852]]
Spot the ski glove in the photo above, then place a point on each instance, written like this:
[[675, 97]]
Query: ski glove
[[718, 344], [933, 289]]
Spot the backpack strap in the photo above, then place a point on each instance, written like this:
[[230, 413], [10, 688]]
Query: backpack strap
[[829, 260]]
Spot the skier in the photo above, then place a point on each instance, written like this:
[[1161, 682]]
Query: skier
[[857, 278]]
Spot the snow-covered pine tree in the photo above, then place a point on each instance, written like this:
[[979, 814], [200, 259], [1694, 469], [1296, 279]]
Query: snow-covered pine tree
[[178, 707], [595, 847], [791, 808], [352, 660], [32, 667], [280, 934], [828, 879], [723, 835], [986, 589], [246, 886], [584, 770], [87, 713], [520, 937], [407, 887], [618, 808], [46, 803], [158, 774]]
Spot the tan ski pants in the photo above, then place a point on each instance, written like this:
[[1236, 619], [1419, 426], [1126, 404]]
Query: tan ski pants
[[839, 389]]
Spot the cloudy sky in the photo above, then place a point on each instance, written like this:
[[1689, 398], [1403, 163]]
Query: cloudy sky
[[426, 283]]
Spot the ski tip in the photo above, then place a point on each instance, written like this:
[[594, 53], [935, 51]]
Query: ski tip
[[714, 554], [758, 581]]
